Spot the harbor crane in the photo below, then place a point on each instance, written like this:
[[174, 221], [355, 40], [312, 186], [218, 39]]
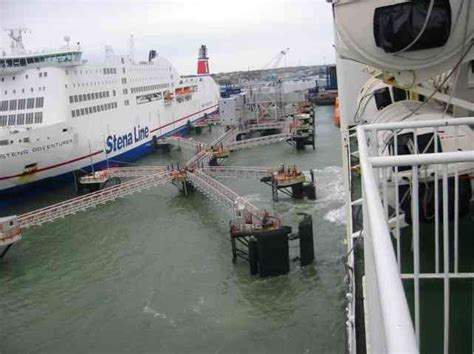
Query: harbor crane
[[275, 61]]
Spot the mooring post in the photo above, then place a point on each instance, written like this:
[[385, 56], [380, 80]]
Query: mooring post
[[274, 191], [6, 250], [185, 188], [234, 246]]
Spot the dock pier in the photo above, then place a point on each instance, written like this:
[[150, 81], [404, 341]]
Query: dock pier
[[255, 235]]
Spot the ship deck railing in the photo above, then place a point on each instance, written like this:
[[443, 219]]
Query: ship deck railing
[[389, 324]]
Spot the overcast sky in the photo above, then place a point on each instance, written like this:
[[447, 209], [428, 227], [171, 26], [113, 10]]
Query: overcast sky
[[240, 34]]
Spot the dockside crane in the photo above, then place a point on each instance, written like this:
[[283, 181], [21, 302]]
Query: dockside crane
[[276, 60]]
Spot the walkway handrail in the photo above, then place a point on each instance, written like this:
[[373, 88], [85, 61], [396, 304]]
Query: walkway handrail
[[398, 332], [134, 171], [254, 142], [238, 171], [62, 209]]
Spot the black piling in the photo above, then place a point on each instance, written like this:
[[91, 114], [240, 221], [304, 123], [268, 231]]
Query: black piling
[[305, 233], [187, 187], [6, 250], [273, 252], [266, 251], [253, 255], [297, 191], [310, 191], [300, 145], [213, 162]]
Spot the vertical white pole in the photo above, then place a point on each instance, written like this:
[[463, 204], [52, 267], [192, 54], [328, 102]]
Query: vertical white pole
[[436, 206], [90, 156], [446, 259], [385, 190], [456, 206], [397, 203], [416, 248]]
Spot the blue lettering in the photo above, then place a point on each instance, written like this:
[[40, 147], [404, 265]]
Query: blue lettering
[[114, 143], [135, 135], [119, 143], [110, 145]]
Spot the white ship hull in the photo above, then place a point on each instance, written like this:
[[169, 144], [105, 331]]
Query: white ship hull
[[65, 147], [136, 112]]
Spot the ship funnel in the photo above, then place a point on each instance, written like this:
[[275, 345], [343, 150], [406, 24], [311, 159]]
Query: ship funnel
[[151, 55], [203, 61]]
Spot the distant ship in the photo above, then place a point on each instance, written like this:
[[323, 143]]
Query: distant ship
[[59, 113]]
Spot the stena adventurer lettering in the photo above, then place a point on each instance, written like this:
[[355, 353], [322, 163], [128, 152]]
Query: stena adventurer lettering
[[79, 115], [115, 142]]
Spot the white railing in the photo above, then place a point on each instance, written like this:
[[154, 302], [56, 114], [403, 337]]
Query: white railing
[[134, 171], [185, 143], [222, 194], [255, 142], [238, 171], [90, 200], [389, 326]]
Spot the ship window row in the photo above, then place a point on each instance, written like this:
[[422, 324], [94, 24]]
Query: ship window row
[[59, 58], [23, 90], [26, 76], [109, 71], [88, 96], [21, 119], [148, 88], [22, 103], [94, 109]]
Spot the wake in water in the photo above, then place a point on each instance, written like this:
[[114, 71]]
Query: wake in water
[[330, 198]]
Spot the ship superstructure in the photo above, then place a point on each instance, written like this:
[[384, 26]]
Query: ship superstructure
[[406, 89], [59, 113]]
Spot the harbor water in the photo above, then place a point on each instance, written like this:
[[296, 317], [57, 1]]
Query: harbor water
[[153, 272]]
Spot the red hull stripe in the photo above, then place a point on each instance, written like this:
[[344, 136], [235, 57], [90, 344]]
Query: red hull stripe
[[54, 166], [100, 151], [180, 119]]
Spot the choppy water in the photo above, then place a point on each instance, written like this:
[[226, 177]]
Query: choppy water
[[153, 272]]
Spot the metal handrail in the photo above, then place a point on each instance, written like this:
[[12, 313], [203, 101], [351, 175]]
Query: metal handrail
[[72, 206], [398, 329], [385, 296]]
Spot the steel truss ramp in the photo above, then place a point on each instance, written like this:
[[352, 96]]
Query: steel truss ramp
[[189, 144], [228, 137], [226, 197], [238, 171], [202, 158], [255, 142], [135, 171], [72, 206], [268, 125]]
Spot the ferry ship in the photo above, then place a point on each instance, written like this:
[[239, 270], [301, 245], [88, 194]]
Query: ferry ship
[[406, 101], [59, 113]]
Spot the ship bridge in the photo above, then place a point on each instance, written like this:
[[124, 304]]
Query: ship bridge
[[12, 64], [20, 59]]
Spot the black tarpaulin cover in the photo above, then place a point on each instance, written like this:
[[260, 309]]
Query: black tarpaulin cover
[[396, 26]]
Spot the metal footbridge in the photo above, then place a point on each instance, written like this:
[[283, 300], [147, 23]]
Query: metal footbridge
[[198, 172], [146, 177], [250, 227], [91, 200], [140, 178]]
